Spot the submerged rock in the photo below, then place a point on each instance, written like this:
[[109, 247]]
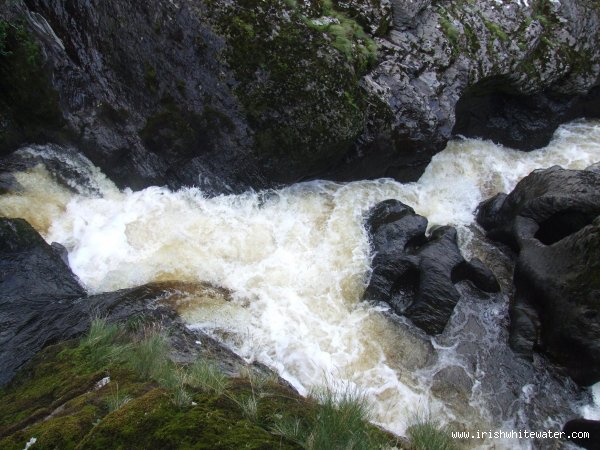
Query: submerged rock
[[552, 219], [248, 93], [415, 274]]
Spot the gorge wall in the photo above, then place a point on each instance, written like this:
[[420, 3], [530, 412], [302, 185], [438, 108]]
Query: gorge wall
[[248, 93]]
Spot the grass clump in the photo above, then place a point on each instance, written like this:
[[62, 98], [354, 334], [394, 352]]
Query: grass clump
[[101, 345], [116, 400], [427, 434], [340, 421], [148, 356], [205, 375]]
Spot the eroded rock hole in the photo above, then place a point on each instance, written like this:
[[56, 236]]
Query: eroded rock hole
[[561, 225]]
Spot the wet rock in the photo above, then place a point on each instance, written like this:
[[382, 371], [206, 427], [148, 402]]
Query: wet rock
[[592, 427], [231, 95], [552, 219], [42, 303], [453, 385], [37, 290], [415, 274], [485, 69], [594, 168]]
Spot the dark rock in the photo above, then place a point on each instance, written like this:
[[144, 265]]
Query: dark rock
[[525, 122], [415, 274], [552, 219], [248, 93], [594, 168], [30, 268], [37, 291], [592, 427], [43, 303]]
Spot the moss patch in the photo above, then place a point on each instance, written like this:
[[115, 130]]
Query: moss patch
[[57, 400], [298, 68]]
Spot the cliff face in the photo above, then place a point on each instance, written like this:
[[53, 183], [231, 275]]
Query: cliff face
[[228, 95]]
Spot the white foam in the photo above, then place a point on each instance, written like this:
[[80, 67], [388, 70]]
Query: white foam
[[297, 260]]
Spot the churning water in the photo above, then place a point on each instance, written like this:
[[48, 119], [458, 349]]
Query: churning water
[[297, 262]]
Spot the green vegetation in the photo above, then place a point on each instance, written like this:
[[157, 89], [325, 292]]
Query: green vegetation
[[116, 399], [450, 31], [346, 34], [64, 399], [496, 30], [426, 434], [29, 110], [205, 375], [299, 66]]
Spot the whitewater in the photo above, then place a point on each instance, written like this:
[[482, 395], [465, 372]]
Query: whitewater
[[297, 261]]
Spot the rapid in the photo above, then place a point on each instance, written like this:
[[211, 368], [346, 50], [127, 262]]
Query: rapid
[[296, 261]]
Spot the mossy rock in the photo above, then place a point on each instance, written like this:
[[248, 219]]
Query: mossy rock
[[154, 421], [29, 105], [58, 400], [298, 81]]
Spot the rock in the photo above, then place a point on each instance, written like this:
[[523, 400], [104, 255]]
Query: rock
[[239, 94], [416, 274], [552, 219], [42, 303], [594, 168], [592, 427], [484, 69], [31, 269], [37, 291], [453, 385]]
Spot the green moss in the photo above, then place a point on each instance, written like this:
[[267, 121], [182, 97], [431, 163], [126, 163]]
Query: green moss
[[449, 30], [56, 400], [299, 80], [151, 79], [177, 132], [29, 109], [496, 30]]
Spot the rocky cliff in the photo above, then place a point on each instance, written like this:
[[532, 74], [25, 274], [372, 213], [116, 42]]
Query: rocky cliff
[[248, 93]]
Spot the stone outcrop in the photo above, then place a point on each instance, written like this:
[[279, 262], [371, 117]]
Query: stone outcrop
[[552, 220], [231, 95], [43, 303], [415, 274]]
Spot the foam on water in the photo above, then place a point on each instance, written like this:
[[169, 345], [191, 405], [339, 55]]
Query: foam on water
[[296, 259]]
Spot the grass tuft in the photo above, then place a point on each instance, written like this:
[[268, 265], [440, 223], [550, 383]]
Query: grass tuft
[[100, 345], [148, 357], [116, 400], [205, 375], [341, 421], [428, 434]]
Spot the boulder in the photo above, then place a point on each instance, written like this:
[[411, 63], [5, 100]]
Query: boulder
[[414, 273], [552, 219]]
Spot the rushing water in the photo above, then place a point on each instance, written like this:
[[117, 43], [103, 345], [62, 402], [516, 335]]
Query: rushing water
[[297, 261]]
